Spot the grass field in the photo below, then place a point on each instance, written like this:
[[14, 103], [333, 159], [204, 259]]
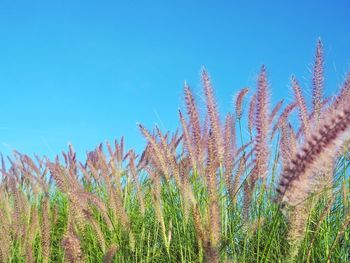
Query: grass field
[[255, 187]]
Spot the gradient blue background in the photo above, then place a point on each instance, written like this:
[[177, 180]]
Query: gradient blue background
[[87, 71]]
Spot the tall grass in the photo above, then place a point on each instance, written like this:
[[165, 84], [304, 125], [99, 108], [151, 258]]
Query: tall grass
[[216, 192]]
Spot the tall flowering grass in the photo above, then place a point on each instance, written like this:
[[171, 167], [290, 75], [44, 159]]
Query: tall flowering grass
[[210, 193]]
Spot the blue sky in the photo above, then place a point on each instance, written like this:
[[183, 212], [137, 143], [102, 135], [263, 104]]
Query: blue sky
[[87, 71]]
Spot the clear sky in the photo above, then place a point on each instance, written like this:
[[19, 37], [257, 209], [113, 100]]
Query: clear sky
[[87, 71]]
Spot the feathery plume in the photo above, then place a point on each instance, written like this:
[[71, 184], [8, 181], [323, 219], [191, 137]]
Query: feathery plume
[[303, 113], [282, 120], [30, 234], [262, 127], [134, 175], [276, 110], [193, 114], [108, 258], [99, 235], [214, 211], [343, 95], [262, 124], [5, 233], [248, 187], [156, 150], [288, 145], [297, 177], [72, 248], [213, 115], [188, 142], [239, 102], [251, 114], [169, 154], [297, 223], [229, 149], [317, 81], [234, 186], [45, 230]]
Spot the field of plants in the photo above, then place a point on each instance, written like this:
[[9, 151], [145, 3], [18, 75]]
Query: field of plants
[[267, 183]]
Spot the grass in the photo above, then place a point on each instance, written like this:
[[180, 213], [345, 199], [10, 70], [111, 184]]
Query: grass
[[210, 194], [262, 239]]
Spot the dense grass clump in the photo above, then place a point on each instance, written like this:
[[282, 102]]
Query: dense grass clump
[[275, 192]]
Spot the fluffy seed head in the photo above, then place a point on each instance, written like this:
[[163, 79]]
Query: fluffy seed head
[[319, 149], [317, 80], [303, 112], [239, 102]]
